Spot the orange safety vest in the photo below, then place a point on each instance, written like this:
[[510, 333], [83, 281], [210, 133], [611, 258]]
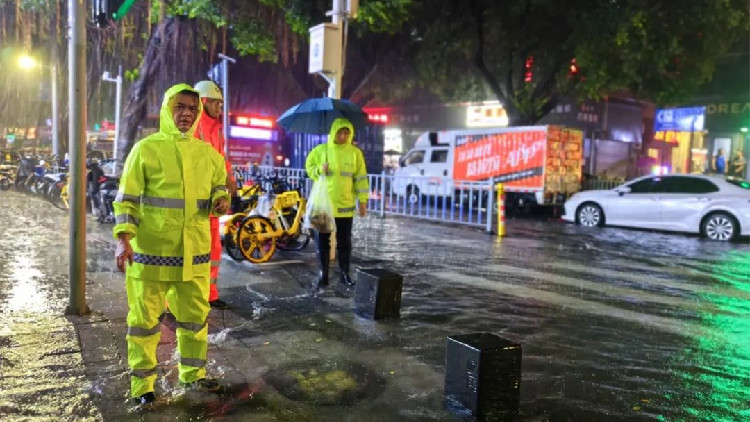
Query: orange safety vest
[[209, 130]]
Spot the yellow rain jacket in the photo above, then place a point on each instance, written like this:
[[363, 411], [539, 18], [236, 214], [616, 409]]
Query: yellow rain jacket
[[347, 174], [169, 184]]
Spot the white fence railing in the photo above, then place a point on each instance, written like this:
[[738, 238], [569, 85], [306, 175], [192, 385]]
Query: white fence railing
[[459, 202]]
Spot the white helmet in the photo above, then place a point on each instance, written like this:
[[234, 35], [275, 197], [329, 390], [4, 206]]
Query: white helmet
[[208, 89]]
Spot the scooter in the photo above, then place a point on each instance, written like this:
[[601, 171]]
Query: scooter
[[108, 186]]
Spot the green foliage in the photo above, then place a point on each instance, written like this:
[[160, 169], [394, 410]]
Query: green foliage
[[207, 10], [34, 5], [299, 14], [656, 49], [251, 39], [132, 74], [387, 16]]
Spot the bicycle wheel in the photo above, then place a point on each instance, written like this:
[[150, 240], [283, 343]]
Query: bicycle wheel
[[294, 242], [230, 236], [252, 249], [56, 196]]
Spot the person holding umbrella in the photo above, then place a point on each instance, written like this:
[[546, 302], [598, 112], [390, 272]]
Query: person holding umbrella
[[346, 177]]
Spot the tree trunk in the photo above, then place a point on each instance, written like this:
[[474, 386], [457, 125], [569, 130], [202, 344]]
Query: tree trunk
[[136, 104]]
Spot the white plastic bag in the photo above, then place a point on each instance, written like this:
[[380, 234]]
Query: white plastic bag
[[319, 212]]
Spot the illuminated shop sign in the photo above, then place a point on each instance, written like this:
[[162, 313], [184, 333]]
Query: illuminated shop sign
[[680, 119], [254, 121], [489, 115], [252, 133]]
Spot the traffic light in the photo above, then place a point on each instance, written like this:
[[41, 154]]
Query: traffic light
[[573, 67], [105, 11], [528, 72]]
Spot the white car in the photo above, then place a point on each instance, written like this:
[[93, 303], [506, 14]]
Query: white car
[[713, 206]]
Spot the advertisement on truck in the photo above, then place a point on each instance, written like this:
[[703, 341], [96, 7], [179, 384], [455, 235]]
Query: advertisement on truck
[[538, 165]]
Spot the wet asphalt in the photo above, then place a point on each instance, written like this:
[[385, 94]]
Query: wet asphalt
[[615, 325]]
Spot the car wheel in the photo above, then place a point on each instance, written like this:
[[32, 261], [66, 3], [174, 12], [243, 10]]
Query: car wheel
[[412, 194], [720, 226], [590, 215]]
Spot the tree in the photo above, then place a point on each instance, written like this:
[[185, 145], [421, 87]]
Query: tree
[[529, 54], [273, 31]]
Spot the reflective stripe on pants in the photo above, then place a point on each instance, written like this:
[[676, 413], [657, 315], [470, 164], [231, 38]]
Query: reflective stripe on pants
[[215, 258], [188, 302]]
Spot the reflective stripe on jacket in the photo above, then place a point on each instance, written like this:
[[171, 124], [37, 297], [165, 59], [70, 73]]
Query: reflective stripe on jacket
[[347, 174], [169, 183]]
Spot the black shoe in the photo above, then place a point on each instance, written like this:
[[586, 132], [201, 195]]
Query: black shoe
[[204, 384], [322, 280], [345, 279], [145, 399], [218, 304]]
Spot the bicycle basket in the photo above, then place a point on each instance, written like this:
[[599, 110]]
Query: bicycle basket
[[287, 199]]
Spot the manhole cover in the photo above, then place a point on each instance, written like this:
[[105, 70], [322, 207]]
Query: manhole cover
[[326, 382]]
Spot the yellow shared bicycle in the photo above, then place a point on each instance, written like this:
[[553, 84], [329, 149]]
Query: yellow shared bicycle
[[259, 235]]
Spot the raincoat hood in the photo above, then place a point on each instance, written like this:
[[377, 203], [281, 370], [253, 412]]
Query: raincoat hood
[[338, 124], [166, 118]]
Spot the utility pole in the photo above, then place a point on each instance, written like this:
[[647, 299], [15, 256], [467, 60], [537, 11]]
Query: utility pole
[[337, 13], [55, 113], [118, 106], [225, 115], [77, 149]]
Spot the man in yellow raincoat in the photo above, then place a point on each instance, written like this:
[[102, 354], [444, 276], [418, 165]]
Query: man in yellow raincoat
[[346, 176], [171, 183]]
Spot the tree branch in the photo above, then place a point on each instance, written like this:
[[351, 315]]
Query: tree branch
[[479, 62], [136, 104], [364, 81]]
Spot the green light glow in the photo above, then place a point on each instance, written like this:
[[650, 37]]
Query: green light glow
[[720, 360]]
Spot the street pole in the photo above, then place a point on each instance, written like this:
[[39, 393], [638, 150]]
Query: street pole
[[334, 87], [118, 107], [77, 150], [225, 87], [55, 122]]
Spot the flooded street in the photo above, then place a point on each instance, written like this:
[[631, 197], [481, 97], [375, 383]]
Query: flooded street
[[615, 325]]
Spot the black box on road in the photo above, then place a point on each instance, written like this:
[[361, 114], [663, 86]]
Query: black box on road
[[378, 293], [483, 375]]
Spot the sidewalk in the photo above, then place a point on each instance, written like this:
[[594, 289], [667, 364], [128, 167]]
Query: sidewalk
[[282, 353]]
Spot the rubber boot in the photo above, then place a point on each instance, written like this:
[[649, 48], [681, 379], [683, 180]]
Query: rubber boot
[[323, 260], [344, 256]]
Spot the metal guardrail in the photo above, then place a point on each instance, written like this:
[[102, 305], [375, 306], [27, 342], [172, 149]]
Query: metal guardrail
[[459, 202], [600, 184], [467, 202]]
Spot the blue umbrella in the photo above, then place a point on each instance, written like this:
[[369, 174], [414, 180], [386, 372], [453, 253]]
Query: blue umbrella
[[316, 115]]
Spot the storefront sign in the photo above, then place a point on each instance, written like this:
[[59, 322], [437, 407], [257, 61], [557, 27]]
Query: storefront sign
[[728, 117], [680, 119], [486, 116], [728, 108]]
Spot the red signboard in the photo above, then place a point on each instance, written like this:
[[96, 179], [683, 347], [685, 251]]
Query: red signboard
[[515, 158]]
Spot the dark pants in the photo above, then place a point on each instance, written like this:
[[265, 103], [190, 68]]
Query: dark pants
[[343, 245]]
